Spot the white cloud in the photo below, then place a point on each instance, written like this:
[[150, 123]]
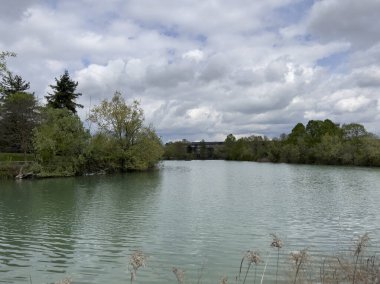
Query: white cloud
[[349, 20], [353, 104], [196, 55]]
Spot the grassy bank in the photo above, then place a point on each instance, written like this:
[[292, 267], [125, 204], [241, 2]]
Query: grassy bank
[[12, 163], [15, 157]]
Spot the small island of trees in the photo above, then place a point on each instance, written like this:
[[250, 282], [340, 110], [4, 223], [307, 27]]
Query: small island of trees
[[54, 141]]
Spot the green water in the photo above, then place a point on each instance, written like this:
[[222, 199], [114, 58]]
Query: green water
[[200, 216]]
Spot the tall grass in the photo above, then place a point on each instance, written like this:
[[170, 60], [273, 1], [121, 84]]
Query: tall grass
[[356, 266]]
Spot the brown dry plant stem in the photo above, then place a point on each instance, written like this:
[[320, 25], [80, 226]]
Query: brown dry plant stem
[[179, 274], [250, 257], [360, 245], [223, 280], [299, 258], [276, 243], [64, 281]]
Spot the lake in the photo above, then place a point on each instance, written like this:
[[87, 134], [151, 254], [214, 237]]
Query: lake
[[200, 216]]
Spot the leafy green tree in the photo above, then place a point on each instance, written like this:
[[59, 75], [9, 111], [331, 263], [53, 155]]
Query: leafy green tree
[[229, 145], [354, 131], [298, 132], [202, 150], [19, 116], [102, 154], [3, 66], [146, 152], [64, 94], [329, 150], [372, 151], [3, 62], [59, 143], [177, 150], [124, 123], [290, 154]]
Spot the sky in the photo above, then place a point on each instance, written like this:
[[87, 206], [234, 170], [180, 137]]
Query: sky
[[205, 69]]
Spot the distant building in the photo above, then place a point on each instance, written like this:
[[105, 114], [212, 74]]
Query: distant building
[[204, 150], [186, 150]]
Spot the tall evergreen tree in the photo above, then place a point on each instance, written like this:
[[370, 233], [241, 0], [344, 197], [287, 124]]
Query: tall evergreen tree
[[64, 94], [19, 115], [11, 84]]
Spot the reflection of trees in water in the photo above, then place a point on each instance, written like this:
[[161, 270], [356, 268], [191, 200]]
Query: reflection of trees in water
[[57, 222], [115, 206], [36, 218]]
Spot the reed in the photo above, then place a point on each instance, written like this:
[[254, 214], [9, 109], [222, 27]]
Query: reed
[[251, 257], [276, 243], [138, 259], [353, 267], [179, 274], [298, 258]]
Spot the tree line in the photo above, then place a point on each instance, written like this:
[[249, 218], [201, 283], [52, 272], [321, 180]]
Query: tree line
[[56, 137], [319, 142]]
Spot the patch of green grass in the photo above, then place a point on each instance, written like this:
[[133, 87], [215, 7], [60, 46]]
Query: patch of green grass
[[15, 157]]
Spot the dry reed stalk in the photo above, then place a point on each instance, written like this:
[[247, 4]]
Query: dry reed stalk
[[137, 260], [64, 281], [359, 247], [276, 243], [250, 257], [180, 274], [299, 258], [223, 280]]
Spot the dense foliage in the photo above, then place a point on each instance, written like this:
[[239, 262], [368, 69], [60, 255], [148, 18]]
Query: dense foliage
[[59, 143], [19, 114], [55, 137], [128, 144], [319, 142]]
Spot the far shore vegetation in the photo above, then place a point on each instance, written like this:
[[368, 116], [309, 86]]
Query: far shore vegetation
[[51, 140], [319, 142]]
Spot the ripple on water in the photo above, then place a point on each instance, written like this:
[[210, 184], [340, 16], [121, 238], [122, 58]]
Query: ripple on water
[[198, 216]]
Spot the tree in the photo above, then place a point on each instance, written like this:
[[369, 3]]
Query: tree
[[3, 63], [146, 151], [12, 84], [124, 123], [298, 132], [229, 146], [316, 129], [354, 131], [202, 150], [19, 117], [59, 143], [64, 94], [118, 119], [177, 150]]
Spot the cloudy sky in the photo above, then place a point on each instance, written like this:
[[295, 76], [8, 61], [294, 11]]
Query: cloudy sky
[[204, 69]]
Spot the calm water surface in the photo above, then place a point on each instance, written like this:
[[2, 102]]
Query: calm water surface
[[188, 214]]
